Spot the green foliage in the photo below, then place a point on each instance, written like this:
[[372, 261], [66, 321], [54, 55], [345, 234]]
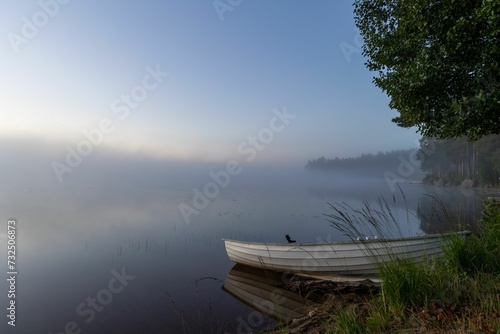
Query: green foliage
[[403, 284], [480, 253], [437, 61], [408, 284]]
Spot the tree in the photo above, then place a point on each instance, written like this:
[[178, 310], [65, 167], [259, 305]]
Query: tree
[[455, 159], [438, 61], [489, 159]]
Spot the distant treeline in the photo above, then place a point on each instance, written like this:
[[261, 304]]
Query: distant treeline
[[447, 162], [367, 163], [453, 160]]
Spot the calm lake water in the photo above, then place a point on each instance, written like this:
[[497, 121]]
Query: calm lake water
[[121, 259]]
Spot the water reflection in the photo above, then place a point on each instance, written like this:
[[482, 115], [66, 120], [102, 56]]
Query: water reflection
[[420, 208], [442, 210], [265, 291]]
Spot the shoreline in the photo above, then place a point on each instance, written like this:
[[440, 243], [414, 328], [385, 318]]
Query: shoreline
[[335, 295], [457, 293]]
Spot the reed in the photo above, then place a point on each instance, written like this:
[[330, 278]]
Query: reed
[[379, 220]]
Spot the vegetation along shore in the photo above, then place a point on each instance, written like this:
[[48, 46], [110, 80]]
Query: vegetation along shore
[[458, 293]]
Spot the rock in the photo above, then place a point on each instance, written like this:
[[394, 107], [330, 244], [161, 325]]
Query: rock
[[467, 183]]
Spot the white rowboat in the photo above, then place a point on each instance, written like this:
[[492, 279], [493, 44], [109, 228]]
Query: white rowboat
[[351, 258]]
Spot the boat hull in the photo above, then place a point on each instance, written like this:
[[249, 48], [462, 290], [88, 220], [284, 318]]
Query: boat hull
[[343, 258]]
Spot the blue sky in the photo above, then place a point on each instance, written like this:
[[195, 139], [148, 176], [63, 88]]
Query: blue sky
[[228, 68]]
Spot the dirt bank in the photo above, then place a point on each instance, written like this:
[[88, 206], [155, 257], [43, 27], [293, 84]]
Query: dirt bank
[[331, 296]]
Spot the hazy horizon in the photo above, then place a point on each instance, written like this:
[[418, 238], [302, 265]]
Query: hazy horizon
[[43, 164], [277, 83]]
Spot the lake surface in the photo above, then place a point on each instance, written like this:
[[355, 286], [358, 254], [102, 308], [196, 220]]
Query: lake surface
[[121, 259]]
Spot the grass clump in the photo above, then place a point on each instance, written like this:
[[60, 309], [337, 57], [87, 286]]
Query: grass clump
[[405, 284], [349, 321], [480, 253]]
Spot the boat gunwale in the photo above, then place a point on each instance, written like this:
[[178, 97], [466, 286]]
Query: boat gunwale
[[363, 241]]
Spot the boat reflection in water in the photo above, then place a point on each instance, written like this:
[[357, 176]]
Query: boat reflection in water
[[265, 291]]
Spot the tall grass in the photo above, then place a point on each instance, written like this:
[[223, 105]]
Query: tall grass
[[459, 292], [378, 220], [410, 285], [348, 322], [480, 253]]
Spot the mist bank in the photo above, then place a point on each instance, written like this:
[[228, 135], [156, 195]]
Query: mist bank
[[45, 163], [39, 163]]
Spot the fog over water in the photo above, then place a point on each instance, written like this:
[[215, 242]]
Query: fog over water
[[114, 215], [31, 163]]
